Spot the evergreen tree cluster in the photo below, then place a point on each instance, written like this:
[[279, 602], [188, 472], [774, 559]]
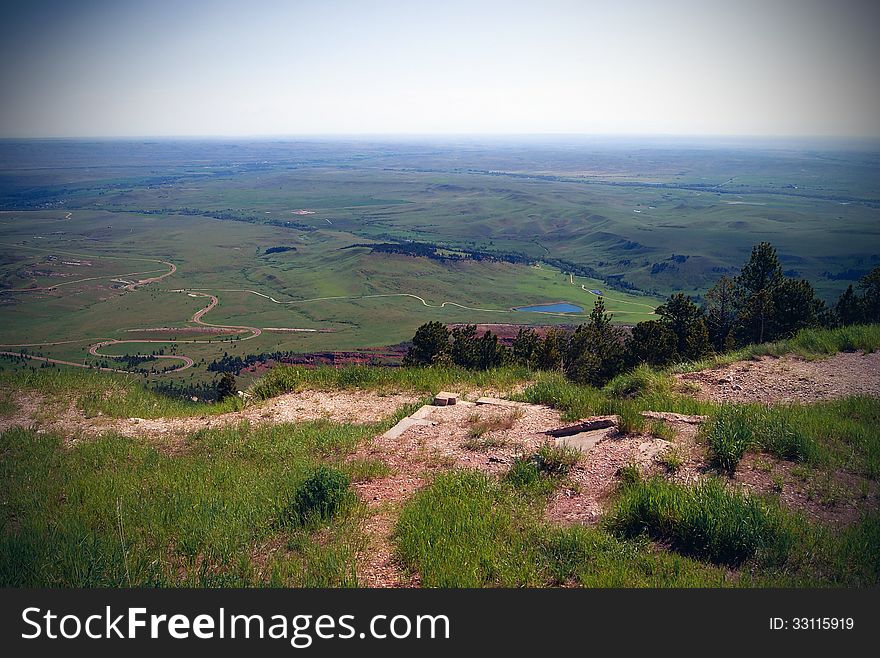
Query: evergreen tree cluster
[[759, 305]]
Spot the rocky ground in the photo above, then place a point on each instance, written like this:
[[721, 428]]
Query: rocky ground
[[789, 379], [34, 410]]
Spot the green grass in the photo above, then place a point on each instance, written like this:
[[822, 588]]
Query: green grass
[[707, 521], [318, 498], [365, 470], [7, 404], [117, 396], [112, 512], [542, 472], [730, 434], [763, 543], [575, 401], [284, 379], [468, 530], [672, 460], [835, 434]]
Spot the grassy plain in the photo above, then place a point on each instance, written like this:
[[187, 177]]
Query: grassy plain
[[657, 217]]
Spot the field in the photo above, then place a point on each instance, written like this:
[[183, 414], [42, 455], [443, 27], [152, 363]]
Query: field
[[279, 232]]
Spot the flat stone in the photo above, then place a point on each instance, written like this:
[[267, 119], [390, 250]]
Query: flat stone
[[498, 402], [586, 425], [674, 418], [444, 398], [583, 441]]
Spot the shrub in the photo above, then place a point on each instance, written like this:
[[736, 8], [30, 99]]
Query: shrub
[[318, 498]]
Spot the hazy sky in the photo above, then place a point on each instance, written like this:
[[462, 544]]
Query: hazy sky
[[263, 67]]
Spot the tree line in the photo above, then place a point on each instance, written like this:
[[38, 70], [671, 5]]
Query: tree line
[[758, 305]]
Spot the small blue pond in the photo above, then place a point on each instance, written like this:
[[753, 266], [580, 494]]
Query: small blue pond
[[551, 308]]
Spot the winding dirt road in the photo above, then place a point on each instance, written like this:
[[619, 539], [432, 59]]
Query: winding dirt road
[[214, 301]]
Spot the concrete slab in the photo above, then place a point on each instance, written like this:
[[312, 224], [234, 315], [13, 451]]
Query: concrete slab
[[422, 412], [404, 425], [584, 441]]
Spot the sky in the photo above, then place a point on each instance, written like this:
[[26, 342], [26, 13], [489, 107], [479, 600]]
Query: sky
[[94, 68]]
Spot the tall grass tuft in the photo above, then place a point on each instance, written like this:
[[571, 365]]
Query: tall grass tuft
[[318, 498], [285, 379], [707, 521], [114, 395], [730, 435]]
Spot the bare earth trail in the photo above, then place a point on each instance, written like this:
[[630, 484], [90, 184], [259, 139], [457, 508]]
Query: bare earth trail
[[195, 319]]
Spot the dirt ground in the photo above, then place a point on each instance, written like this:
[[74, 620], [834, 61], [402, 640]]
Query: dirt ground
[[34, 410], [789, 379], [423, 450]]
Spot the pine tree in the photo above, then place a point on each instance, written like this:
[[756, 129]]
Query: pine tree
[[226, 387], [651, 342], [869, 286], [757, 283], [463, 350], [848, 309], [551, 350], [720, 311], [430, 345], [525, 346], [685, 319], [595, 351]]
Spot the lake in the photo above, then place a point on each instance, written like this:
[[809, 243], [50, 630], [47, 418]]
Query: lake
[[561, 307]]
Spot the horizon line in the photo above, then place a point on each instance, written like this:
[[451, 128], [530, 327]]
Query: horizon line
[[448, 135]]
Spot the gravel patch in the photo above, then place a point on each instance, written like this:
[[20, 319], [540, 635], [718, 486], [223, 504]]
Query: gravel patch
[[789, 379]]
